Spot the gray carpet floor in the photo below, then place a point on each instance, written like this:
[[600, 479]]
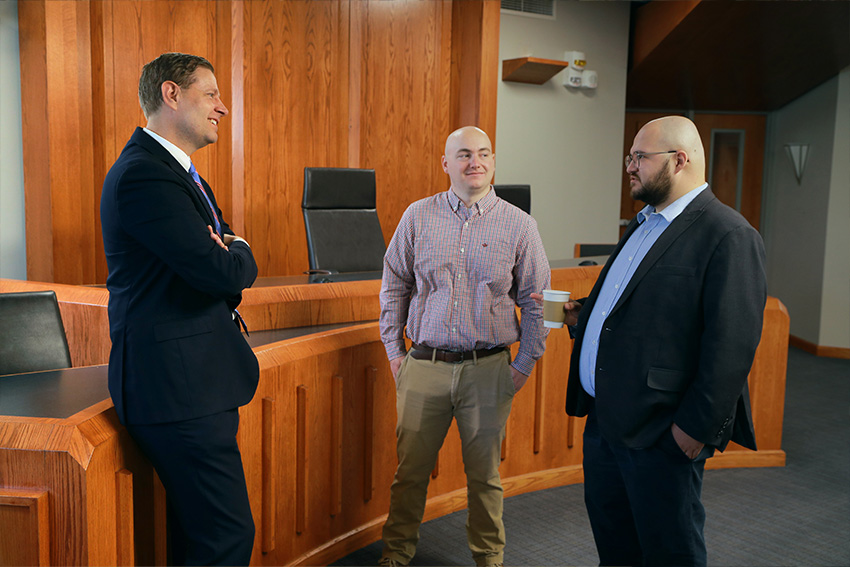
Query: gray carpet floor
[[797, 515]]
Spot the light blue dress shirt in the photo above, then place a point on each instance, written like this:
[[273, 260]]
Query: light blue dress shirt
[[652, 225]]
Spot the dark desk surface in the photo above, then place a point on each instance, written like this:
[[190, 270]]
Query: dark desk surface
[[273, 281], [59, 394]]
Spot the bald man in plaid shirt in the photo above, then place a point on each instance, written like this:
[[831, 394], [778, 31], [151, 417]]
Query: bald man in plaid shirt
[[457, 266]]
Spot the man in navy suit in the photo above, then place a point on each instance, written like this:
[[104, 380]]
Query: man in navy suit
[[664, 345], [179, 367]]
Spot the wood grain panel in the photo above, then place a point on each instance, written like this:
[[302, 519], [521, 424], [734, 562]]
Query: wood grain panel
[[336, 415], [301, 456], [269, 493], [475, 64], [296, 103], [404, 118], [24, 527], [369, 434], [310, 304], [334, 83], [125, 544], [293, 447], [32, 21]]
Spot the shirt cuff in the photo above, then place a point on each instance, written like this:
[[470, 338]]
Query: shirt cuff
[[395, 350], [524, 363]]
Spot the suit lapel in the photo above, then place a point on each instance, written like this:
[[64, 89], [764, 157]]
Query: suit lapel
[[679, 225], [152, 146]]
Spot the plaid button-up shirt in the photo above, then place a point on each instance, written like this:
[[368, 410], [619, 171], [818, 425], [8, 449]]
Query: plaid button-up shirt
[[455, 275]]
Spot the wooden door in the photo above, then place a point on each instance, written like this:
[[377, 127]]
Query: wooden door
[[734, 149]]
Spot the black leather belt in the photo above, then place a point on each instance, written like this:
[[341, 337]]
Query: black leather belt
[[427, 353]]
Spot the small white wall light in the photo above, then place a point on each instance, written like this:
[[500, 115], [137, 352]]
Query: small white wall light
[[798, 154]]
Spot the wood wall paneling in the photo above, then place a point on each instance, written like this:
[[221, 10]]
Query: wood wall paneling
[[32, 22], [337, 83], [475, 63], [296, 115], [405, 103]]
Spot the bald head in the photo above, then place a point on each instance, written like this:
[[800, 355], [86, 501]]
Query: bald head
[[470, 163], [679, 133], [674, 162], [459, 138]]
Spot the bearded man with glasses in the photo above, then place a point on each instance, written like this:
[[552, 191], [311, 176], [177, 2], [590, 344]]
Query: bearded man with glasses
[[663, 347]]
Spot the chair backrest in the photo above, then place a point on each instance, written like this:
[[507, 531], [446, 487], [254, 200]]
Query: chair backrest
[[32, 336], [585, 250], [343, 230], [517, 195]]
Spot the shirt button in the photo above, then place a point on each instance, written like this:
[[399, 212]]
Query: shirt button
[[461, 250], [454, 329], [455, 303], [605, 313], [466, 223], [616, 286], [458, 276], [630, 258]]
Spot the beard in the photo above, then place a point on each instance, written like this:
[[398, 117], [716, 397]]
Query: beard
[[654, 191]]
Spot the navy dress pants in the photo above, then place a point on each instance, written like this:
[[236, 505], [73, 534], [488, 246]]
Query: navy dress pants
[[199, 464], [644, 504]]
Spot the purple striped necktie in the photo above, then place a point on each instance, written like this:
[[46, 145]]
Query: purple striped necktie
[[200, 185], [197, 178]]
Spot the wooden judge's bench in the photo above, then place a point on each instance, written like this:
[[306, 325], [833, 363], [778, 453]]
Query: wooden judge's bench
[[318, 439]]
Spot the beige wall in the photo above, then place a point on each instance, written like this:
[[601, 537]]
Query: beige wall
[[566, 143], [807, 225]]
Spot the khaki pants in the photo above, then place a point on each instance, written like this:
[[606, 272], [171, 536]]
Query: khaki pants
[[478, 394]]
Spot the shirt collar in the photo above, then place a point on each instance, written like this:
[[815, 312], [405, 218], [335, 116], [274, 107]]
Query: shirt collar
[[184, 160], [480, 207], [675, 208]]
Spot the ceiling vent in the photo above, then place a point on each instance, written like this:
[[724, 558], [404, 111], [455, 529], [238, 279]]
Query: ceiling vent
[[533, 8]]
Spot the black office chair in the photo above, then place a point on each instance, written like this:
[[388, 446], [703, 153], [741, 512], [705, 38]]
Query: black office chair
[[343, 230], [517, 195], [585, 250], [32, 336]]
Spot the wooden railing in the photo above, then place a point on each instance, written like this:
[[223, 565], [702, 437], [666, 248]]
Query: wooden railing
[[318, 439]]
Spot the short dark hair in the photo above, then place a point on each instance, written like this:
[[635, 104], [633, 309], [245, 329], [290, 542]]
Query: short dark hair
[[176, 67]]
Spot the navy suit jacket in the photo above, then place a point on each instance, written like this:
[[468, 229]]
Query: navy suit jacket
[[177, 353], [679, 343]]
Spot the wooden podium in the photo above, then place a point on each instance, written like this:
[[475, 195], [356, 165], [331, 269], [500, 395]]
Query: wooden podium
[[318, 439]]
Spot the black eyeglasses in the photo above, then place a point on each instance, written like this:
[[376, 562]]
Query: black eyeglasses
[[636, 157]]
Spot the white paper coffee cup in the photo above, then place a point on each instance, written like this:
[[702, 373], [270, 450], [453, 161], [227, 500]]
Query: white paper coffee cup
[[553, 307]]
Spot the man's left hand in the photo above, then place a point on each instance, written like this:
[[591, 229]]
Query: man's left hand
[[519, 378], [689, 446]]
